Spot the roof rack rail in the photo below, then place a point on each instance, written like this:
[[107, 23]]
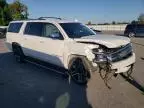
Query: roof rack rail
[[44, 18], [31, 19], [26, 19]]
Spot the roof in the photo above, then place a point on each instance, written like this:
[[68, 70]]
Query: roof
[[46, 20]]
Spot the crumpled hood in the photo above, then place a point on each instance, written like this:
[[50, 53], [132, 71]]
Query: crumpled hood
[[109, 41]]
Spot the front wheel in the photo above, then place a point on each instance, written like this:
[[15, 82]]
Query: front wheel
[[79, 71], [131, 34]]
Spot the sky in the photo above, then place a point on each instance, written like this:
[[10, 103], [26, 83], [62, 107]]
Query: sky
[[96, 11]]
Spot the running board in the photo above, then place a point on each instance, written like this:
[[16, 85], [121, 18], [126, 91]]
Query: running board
[[46, 65]]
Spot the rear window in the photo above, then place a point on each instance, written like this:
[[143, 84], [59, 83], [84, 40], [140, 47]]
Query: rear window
[[14, 27], [34, 28]]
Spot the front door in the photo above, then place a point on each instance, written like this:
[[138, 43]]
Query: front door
[[51, 45]]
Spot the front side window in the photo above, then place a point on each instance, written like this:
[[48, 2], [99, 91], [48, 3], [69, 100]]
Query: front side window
[[34, 28], [76, 30], [14, 27], [51, 31]]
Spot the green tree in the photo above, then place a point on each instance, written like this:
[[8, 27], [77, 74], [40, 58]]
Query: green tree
[[141, 18], [113, 22], [134, 22], [4, 13], [18, 10], [13, 11], [89, 23]]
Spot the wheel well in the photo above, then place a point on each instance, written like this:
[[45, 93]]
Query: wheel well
[[88, 63], [74, 56], [83, 58], [15, 44]]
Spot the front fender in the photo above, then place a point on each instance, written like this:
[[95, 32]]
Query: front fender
[[80, 49]]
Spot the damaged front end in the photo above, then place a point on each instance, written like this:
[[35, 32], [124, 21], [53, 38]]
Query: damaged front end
[[112, 61], [104, 54]]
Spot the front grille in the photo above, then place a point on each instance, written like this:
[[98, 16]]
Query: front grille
[[122, 53]]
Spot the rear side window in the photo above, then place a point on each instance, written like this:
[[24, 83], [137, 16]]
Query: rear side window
[[34, 28], [130, 27], [14, 27]]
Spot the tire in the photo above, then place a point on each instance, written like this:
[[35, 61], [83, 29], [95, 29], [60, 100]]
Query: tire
[[78, 71], [1, 34], [18, 53], [131, 34]]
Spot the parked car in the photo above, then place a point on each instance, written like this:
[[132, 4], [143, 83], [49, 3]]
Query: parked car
[[70, 45], [3, 31], [133, 30]]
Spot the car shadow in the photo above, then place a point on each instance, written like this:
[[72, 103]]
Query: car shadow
[[119, 34], [133, 82], [142, 58], [29, 86]]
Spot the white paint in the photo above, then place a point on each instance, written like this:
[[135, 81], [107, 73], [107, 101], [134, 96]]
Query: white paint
[[58, 52]]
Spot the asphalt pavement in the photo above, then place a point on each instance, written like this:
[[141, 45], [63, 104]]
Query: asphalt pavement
[[29, 86]]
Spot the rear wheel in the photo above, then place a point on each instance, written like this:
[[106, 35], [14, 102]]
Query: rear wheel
[[79, 71], [18, 53], [1, 34]]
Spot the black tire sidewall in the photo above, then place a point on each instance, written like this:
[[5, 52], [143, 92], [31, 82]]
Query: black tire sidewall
[[18, 52], [85, 66]]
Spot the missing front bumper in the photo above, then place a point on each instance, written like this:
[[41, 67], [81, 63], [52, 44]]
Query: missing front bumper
[[124, 65], [120, 66]]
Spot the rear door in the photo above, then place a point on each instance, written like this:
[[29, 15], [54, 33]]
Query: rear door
[[31, 39]]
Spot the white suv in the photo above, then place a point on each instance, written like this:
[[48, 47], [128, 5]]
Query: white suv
[[70, 45]]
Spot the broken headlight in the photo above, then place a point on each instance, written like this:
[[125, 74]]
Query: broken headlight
[[100, 55]]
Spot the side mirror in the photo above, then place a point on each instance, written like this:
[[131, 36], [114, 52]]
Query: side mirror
[[55, 35]]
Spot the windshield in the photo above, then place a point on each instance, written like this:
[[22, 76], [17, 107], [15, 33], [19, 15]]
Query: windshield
[[76, 30]]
